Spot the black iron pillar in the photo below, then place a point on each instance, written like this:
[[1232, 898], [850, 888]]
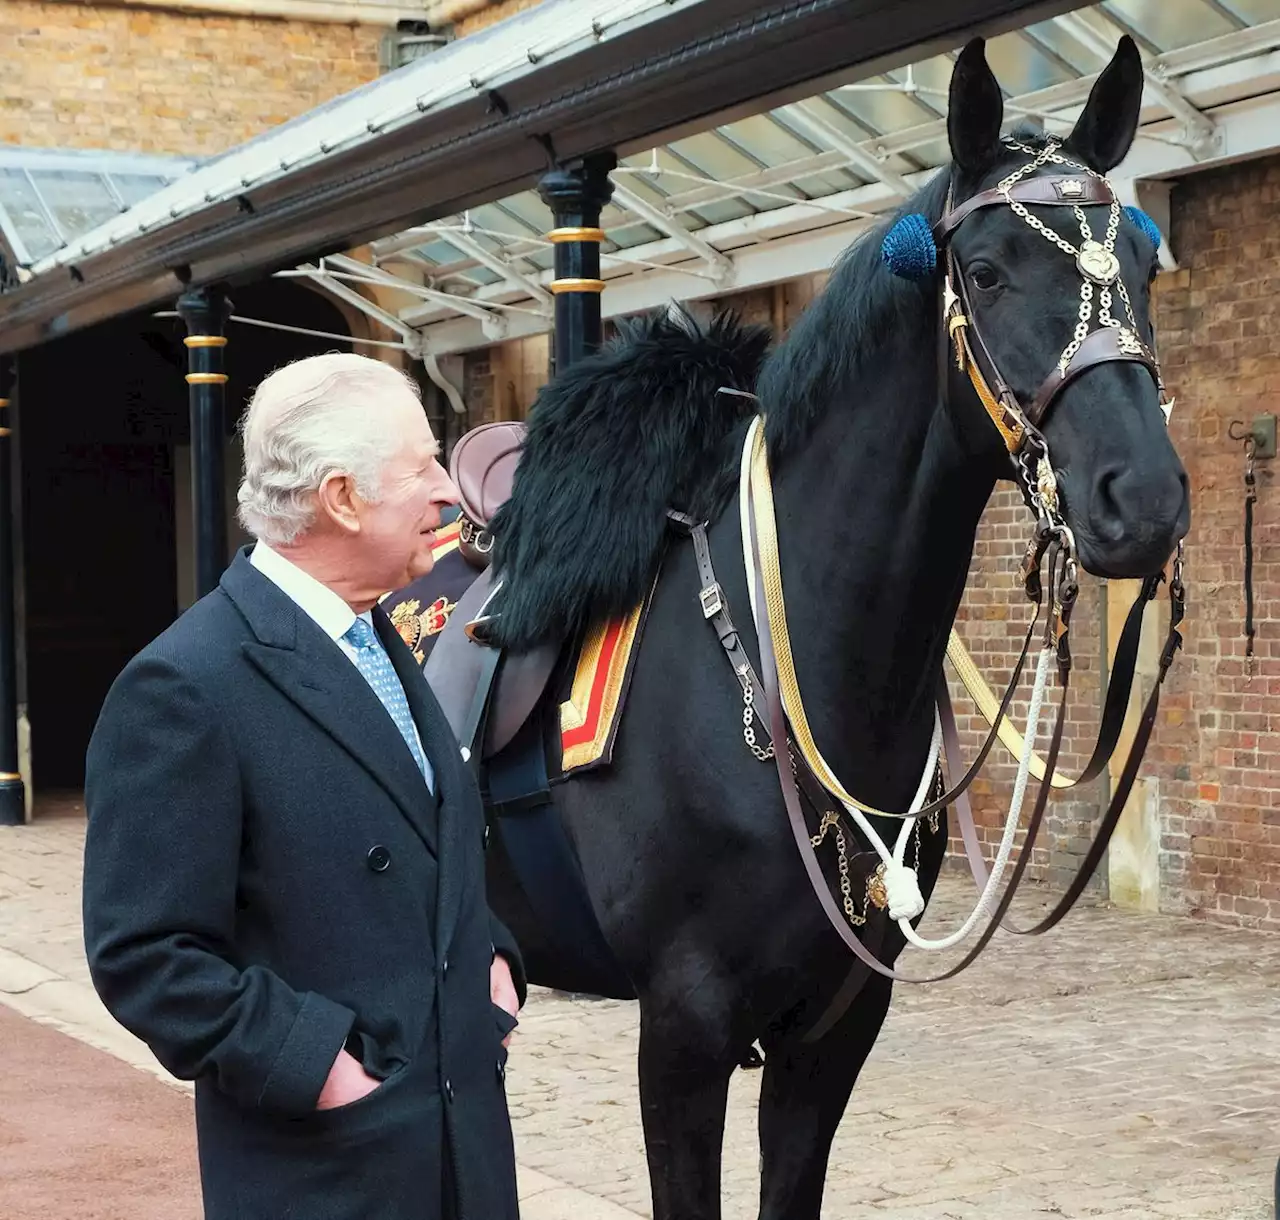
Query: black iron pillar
[[575, 193], [205, 311], [12, 797]]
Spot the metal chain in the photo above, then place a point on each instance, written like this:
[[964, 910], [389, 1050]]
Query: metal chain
[[764, 754], [831, 821], [1050, 155]]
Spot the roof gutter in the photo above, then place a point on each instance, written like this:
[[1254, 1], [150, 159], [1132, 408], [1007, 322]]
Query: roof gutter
[[677, 73]]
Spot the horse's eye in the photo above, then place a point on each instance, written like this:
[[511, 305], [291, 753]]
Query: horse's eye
[[983, 277]]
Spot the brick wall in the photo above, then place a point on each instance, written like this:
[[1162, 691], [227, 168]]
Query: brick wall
[[95, 76], [1218, 760], [491, 14]]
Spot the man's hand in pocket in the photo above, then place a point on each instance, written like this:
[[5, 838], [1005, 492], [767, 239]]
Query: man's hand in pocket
[[347, 1082]]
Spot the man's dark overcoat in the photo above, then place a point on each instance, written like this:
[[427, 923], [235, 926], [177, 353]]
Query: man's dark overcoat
[[268, 878]]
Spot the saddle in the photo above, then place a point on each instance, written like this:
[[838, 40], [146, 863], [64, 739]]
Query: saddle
[[491, 700], [482, 467]]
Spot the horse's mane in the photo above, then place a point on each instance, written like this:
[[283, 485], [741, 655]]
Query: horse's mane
[[638, 427], [612, 443], [860, 308]]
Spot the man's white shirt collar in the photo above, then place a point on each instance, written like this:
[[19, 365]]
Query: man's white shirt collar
[[331, 614]]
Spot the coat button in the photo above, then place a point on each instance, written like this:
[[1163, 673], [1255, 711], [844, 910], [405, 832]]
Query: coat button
[[448, 1090], [444, 967], [486, 836], [379, 859]]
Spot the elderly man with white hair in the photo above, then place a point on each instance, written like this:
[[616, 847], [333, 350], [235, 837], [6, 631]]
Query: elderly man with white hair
[[284, 872]]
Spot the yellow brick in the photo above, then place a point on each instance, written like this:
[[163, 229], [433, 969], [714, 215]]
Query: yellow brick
[[167, 82]]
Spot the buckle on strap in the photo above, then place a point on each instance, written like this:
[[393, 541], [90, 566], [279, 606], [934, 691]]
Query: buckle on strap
[[712, 600]]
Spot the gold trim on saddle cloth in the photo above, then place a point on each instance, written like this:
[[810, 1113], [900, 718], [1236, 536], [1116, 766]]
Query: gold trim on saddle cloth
[[589, 717]]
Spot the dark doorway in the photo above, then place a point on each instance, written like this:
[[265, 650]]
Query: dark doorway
[[102, 431]]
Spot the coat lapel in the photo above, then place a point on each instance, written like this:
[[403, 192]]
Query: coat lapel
[[454, 786], [312, 671]]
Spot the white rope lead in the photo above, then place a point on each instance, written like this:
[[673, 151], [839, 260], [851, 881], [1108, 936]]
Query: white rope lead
[[982, 909], [901, 883]]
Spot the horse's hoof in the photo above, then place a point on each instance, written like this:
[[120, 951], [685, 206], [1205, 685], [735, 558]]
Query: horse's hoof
[[752, 1059]]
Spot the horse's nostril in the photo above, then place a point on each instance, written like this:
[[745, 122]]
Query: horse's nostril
[[1108, 511]]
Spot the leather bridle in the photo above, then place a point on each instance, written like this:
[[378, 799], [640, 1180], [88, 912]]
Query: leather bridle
[[1114, 340]]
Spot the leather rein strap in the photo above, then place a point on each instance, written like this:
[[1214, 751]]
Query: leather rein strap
[[800, 831], [792, 781]]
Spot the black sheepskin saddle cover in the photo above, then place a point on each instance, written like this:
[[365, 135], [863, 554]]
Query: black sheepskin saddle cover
[[613, 442]]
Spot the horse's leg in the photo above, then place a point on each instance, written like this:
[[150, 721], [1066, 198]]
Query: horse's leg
[[802, 1099], [687, 1055]]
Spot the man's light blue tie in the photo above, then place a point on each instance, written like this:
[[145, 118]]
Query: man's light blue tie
[[373, 662]]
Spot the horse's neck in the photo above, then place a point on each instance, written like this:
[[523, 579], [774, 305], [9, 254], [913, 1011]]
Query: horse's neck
[[877, 515]]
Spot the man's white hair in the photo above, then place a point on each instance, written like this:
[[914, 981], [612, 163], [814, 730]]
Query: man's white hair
[[308, 420]]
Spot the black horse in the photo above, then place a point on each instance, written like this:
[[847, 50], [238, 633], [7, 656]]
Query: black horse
[[880, 482]]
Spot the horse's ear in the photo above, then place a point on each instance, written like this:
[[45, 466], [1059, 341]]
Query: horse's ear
[[975, 111], [1106, 127]]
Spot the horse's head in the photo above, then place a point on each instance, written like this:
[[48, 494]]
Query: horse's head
[[1041, 283]]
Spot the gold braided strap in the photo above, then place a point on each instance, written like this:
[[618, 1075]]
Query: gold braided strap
[[988, 705], [789, 685]]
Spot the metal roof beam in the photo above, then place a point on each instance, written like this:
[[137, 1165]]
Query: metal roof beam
[[498, 265], [495, 327], [664, 222], [810, 120], [1100, 34], [348, 294], [776, 175]]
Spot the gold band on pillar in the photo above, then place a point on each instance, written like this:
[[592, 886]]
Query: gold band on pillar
[[206, 341], [6, 431], [556, 236], [206, 378], [4, 402], [9, 776], [559, 286]]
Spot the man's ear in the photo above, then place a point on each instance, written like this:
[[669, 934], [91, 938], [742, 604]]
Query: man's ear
[[336, 500]]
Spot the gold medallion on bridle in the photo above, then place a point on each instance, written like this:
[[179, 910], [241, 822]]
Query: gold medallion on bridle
[[1097, 263]]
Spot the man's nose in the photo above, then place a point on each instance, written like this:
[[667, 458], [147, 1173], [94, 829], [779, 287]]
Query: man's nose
[[447, 492]]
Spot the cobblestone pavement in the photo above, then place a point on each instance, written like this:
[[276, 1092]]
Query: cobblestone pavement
[[1124, 1066]]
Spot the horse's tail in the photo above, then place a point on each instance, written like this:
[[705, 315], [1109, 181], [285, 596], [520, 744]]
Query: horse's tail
[[613, 442]]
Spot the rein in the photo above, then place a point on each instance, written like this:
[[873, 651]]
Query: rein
[[1052, 549]]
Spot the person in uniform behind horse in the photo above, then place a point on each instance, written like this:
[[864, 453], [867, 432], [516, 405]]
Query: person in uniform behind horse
[[284, 870], [422, 608]]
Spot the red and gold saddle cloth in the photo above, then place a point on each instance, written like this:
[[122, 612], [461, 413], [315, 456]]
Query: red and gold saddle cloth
[[590, 716]]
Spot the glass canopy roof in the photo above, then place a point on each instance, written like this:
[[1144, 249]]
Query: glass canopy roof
[[698, 205], [828, 151], [49, 198]]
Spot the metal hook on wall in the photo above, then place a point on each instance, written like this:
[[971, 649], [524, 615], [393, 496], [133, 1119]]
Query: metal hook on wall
[[1259, 437], [1259, 442]]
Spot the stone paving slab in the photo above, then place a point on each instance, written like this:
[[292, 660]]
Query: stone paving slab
[[1123, 1066]]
